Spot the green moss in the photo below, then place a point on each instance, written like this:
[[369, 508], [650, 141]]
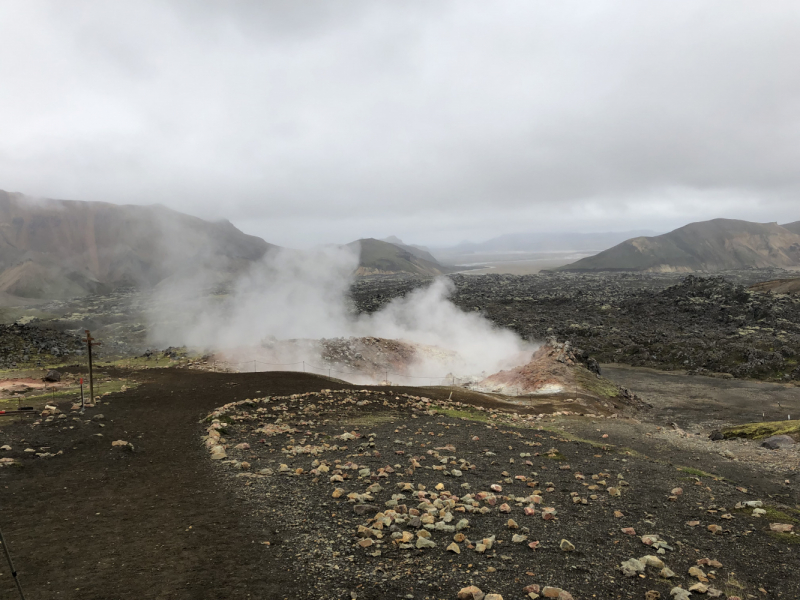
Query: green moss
[[697, 472], [758, 431], [594, 384], [774, 515], [472, 415], [787, 538]]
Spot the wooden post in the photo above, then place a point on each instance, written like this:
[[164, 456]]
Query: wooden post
[[89, 343]]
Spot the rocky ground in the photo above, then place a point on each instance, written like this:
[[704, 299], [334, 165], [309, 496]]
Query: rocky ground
[[712, 324], [395, 495], [703, 324], [325, 490]]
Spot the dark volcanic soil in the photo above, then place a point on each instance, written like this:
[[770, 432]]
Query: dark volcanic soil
[[165, 521]]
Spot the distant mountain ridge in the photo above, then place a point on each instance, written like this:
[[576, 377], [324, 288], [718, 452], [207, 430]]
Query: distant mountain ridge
[[715, 245], [59, 249], [67, 248], [541, 242]]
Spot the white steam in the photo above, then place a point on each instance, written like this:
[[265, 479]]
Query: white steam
[[304, 296]]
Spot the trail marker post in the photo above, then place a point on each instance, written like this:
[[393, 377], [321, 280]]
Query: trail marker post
[[89, 344]]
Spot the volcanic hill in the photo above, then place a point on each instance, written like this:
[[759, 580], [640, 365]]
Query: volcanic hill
[[384, 258], [66, 248], [716, 245]]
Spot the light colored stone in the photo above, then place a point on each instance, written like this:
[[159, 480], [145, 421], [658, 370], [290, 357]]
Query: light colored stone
[[566, 546], [471, 593], [678, 593], [632, 567], [652, 561]]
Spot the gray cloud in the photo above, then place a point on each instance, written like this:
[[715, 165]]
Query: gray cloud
[[310, 122]]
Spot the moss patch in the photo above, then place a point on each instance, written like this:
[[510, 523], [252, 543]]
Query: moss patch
[[594, 384], [758, 431], [461, 414], [787, 538], [697, 472]]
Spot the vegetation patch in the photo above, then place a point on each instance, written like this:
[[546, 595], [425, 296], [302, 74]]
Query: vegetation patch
[[472, 415], [788, 538], [758, 431], [697, 472], [596, 385]]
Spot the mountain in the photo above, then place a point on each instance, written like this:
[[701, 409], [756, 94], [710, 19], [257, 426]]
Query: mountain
[[383, 258], [714, 245], [418, 251], [65, 248]]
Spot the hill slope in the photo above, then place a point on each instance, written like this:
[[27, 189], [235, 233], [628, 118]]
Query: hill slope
[[381, 258], [66, 248], [793, 227], [714, 245]]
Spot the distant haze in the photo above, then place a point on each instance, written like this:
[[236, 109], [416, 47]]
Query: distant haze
[[316, 121]]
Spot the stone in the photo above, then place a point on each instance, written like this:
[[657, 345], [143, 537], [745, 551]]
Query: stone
[[652, 595], [52, 376], [628, 530], [699, 588], [678, 593], [453, 547], [781, 527], [471, 593], [566, 546], [6, 447], [632, 567], [667, 573], [512, 524], [242, 446], [425, 543], [697, 573], [776, 442], [124, 444], [518, 538], [492, 597], [551, 592], [652, 561]]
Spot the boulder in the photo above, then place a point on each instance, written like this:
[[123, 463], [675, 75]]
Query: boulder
[[52, 376], [778, 441]]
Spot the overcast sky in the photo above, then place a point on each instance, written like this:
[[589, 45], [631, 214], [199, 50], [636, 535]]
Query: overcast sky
[[309, 121]]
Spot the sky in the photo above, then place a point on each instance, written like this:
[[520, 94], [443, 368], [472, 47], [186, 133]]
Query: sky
[[434, 120]]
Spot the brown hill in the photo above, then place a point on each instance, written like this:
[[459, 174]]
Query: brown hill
[[383, 258], [65, 248], [715, 245]]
